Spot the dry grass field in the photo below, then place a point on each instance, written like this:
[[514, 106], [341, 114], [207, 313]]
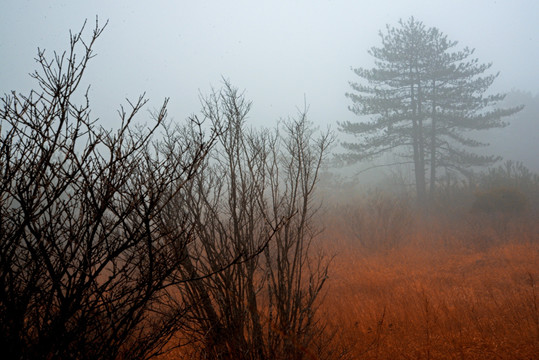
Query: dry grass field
[[454, 286], [463, 289]]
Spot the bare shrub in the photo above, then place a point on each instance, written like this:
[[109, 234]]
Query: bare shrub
[[85, 268], [381, 222], [500, 200], [253, 195]]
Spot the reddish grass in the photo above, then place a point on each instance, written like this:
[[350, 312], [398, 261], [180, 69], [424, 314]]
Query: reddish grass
[[436, 295], [449, 288]]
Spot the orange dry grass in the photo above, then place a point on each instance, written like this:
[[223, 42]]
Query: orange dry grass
[[434, 298], [444, 289]]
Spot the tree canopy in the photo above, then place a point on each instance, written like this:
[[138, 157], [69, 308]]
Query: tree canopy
[[422, 97]]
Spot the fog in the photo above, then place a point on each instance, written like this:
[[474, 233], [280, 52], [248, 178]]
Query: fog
[[282, 53], [222, 240]]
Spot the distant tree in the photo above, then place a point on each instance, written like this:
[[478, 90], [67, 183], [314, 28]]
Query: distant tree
[[423, 97], [85, 267]]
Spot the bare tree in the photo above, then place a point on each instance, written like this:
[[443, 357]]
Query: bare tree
[[85, 267], [253, 195]]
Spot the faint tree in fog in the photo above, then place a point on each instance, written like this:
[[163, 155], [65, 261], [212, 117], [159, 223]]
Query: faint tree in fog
[[254, 195], [85, 267], [423, 96]]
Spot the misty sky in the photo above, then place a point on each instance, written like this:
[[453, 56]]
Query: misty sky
[[278, 51]]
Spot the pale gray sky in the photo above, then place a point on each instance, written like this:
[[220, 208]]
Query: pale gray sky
[[278, 51]]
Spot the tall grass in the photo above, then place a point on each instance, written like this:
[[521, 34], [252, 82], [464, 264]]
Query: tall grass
[[444, 288], [455, 284]]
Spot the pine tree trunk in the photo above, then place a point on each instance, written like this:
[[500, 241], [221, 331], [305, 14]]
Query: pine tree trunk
[[419, 162], [432, 187]]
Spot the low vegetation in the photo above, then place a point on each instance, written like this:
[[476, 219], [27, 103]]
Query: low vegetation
[[446, 286]]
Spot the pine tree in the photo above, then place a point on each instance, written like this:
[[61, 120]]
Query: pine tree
[[422, 97]]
